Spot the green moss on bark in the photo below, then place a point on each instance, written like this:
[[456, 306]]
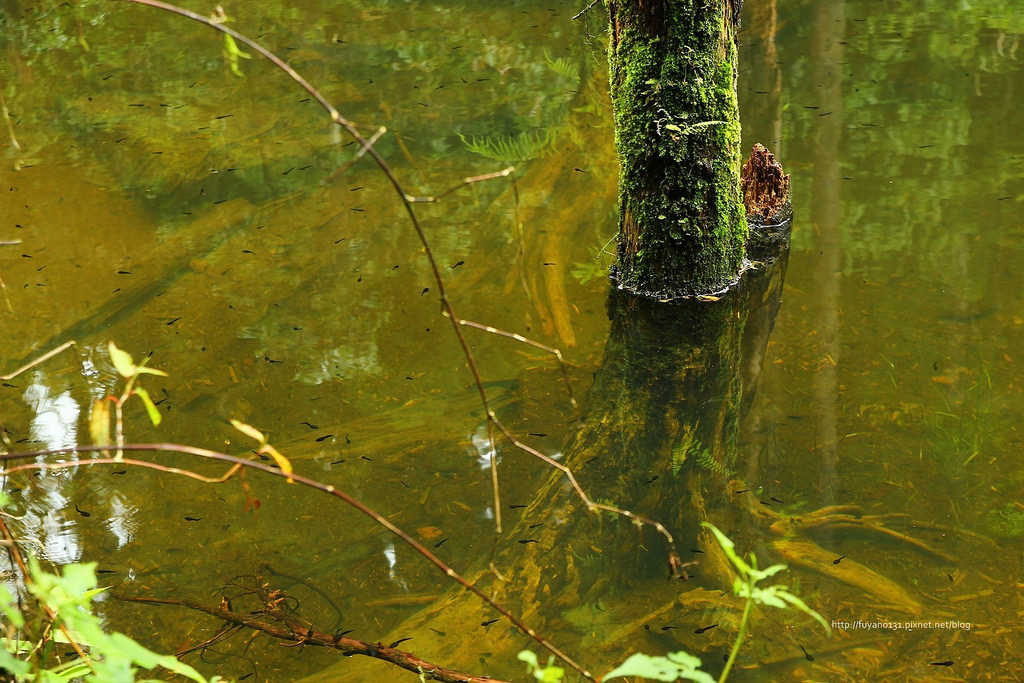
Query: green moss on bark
[[673, 86]]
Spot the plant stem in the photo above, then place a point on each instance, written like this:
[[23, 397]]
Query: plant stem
[[743, 631]]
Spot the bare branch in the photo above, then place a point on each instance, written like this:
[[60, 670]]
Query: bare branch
[[520, 338], [503, 173], [42, 359], [584, 10], [345, 645]]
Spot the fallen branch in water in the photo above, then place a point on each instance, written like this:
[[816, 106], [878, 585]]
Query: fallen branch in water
[[286, 630]]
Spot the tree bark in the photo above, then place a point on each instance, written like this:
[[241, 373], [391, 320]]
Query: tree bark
[[673, 86]]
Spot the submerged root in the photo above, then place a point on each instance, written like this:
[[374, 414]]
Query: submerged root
[[807, 554], [851, 518], [798, 546]]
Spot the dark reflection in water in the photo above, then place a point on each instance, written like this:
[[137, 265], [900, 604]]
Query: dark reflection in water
[[166, 203]]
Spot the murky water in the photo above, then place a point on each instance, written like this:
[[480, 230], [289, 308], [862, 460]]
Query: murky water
[[182, 210]]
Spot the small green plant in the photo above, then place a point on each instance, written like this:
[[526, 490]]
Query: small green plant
[[549, 673], [99, 419], [63, 615], [745, 586], [588, 271], [682, 666], [521, 147], [231, 50]]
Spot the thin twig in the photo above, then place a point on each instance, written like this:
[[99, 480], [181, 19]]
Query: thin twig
[[42, 359], [584, 10], [503, 173], [521, 255], [510, 173], [359, 155], [7, 119], [520, 338], [675, 562]]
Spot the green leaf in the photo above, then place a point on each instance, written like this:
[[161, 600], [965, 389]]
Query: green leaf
[[762, 596], [120, 645], [802, 606], [550, 674], [16, 667], [71, 670], [143, 370], [530, 658], [122, 361], [729, 548], [78, 578], [779, 597], [151, 409], [675, 666], [761, 574]]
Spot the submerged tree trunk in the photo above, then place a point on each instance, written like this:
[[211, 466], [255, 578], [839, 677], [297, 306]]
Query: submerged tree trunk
[[658, 435], [673, 87]]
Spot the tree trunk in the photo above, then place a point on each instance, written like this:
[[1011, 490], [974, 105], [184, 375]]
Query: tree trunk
[[673, 87]]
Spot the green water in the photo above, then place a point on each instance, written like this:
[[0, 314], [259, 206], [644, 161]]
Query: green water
[[164, 202]]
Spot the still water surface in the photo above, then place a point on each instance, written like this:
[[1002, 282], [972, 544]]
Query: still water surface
[[161, 200]]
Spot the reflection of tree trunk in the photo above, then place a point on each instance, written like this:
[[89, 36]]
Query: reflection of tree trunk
[[556, 227], [761, 104], [827, 48], [659, 437], [761, 98]]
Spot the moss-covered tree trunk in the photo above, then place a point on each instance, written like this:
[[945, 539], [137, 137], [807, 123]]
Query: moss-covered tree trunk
[[673, 87]]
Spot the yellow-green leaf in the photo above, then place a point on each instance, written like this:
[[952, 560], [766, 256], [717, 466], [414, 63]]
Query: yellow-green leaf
[[281, 461], [143, 370], [249, 431], [99, 423], [122, 361], [154, 414]]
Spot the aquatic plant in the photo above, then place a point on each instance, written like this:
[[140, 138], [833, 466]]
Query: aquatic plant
[[1007, 521], [520, 147], [59, 615], [682, 665]]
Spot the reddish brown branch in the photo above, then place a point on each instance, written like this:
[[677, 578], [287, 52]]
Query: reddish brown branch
[[345, 645]]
